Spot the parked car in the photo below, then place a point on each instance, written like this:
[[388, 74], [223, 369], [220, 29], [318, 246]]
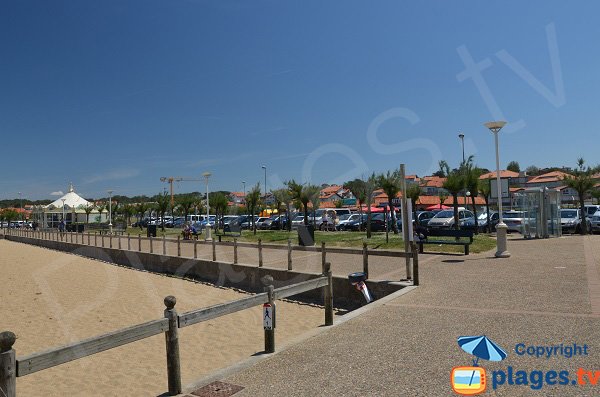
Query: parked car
[[275, 222], [514, 221], [297, 221], [377, 223], [344, 220], [445, 219], [260, 221], [591, 210], [595, 222], [482, 221], [570, 221], [423, 217]]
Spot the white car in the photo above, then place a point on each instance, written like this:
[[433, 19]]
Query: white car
[[595, 222], [445, 219], [570, 220], [514, 221], [347, 219]]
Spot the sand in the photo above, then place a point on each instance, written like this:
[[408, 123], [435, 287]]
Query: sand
[[51, 298]]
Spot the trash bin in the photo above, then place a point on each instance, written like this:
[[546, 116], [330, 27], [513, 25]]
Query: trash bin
[[306, 235], [80, 228], [151, 231]]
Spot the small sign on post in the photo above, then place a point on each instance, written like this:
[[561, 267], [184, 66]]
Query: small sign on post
[[269, 316]]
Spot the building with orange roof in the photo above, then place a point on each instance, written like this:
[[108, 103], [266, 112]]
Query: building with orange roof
[[550, 180], [504, 174]]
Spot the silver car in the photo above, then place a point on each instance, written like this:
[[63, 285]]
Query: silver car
[[514, 221], [570, 220], [445, 219], [595, 222]]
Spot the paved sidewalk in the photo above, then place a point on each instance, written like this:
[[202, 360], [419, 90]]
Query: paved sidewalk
[[547, 293]]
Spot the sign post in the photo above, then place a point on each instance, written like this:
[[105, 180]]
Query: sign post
[[269, 321]]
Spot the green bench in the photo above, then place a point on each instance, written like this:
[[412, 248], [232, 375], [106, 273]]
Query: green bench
[[457, 234]]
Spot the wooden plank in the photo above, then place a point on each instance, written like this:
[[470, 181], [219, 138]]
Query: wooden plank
[[299, 288], [222, 309], [50, 358]]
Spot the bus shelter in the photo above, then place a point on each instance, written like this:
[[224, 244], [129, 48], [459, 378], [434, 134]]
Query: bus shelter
[[541, 212]]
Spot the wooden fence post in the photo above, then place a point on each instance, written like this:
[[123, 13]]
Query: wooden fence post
[[128, 242], [323, 255], [89, 243], [71, 233], [195, 249], [151, 245], [270, 333], [8, 365], [110, 241], [178, 245], [119, 242], [214, 250], [328, 294], [164, 245], [365, 259], [260, 254], [172, 342], [415, 256], [102, 238], [289, 254], [235, 254], [139, 242]]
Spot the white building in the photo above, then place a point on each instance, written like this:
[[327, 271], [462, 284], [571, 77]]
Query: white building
[[72, 208]]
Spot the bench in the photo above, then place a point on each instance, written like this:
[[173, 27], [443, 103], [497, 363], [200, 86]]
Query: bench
[[231, 229], [448, 233], [114, 231]]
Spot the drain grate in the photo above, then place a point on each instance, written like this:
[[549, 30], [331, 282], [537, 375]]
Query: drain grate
[[217, 389]]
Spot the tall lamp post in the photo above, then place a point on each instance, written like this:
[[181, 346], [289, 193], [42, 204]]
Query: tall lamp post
[[501, 228], [207, 237], [110, 225], [462, 141], [264, 167]]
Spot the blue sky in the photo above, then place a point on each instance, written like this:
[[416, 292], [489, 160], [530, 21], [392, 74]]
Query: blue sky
[[116, 94]]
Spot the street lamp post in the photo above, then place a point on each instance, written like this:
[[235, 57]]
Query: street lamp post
[[264, 167], [110, 225], [462, 141], [207, 237], [501, 228], [63, 212]]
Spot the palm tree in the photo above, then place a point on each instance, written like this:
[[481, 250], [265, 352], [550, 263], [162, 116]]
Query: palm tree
[[88, 210], [141, 209], [315, 200], [390, 183], [485, 189], [283, 196], [472, 174], [128, 210], [454, 184], [252, 200], [413, 192], [303, 194], [220, 203], [596, 194], [163, 201], [442, 196], [185, 204], [358, 190], [100, 207], [582, 182]]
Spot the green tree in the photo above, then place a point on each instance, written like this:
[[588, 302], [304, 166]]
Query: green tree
[[582, 182], [315, 200], [88, 210], [283, 197], [454, 184], [185, 204], [303, 194], [442, 196], [140, 209], [163, 201], [128, 211], [513, 166], [100, 207], [413, 192], [220, 203], [390, 184], [358, 190], [532, 170], [596, 194], [485, 189], [252, 200], [471, 175]]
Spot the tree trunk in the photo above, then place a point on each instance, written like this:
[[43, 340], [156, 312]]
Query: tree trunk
[[305, 205], [393, 217], [583, 227], [475, 214], [369, 221], [455, 205]]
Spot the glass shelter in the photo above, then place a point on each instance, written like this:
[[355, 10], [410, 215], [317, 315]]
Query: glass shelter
[[541, 207]]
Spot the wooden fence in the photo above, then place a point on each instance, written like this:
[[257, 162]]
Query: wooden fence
[[135, 243], [12, 367]]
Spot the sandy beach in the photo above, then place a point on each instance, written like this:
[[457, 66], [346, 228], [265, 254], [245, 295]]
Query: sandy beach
[[52, 298]]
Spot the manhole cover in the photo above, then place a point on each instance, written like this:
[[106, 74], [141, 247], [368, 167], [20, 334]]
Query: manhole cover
[[217, 389]]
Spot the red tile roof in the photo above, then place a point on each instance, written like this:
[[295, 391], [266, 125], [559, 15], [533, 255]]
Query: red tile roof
[[432, 181], [331, 189], [553, 176], [435, 200], [237, 194], [503, 174]]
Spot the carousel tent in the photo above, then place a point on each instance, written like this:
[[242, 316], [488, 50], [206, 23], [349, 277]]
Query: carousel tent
[[71, 200]]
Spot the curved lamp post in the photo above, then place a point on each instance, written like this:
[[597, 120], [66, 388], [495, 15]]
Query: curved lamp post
[[207, 237], [501, 228]]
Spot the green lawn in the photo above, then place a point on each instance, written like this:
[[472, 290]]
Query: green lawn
[[481, 243]]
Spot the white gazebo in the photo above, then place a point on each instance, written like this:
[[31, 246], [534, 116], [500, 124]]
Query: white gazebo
[[70, 207]]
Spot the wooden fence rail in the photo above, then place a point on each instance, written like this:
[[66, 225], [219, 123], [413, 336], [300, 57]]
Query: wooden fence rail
[[12, 367]]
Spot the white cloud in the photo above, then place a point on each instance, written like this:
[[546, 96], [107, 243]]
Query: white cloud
[[59, 193], [112, 175]]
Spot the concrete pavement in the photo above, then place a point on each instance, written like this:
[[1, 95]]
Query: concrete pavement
[[547, 293]]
